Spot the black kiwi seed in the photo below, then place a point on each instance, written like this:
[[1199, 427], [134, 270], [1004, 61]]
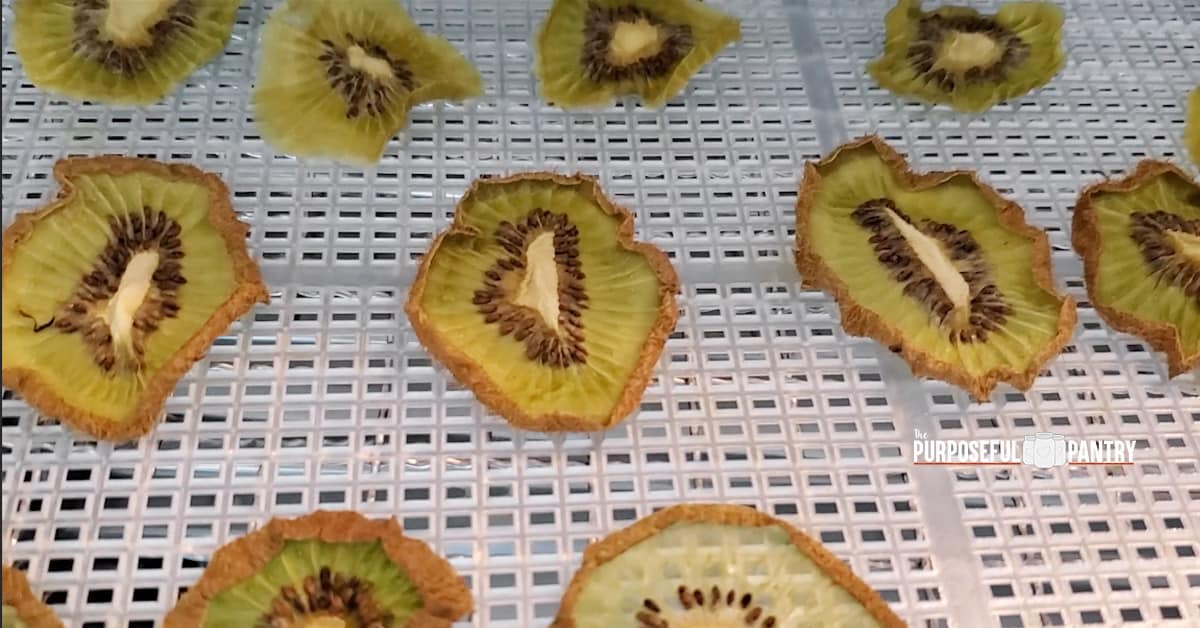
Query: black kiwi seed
[[88, 18], [363, 93], [988, 309], [650, 615], [152, 230], [326, 593], [1151, 232], [675, 41], [562, 348], [932, 32]]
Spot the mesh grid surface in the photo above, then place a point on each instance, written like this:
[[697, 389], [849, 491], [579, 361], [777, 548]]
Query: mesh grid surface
[[325, 399]]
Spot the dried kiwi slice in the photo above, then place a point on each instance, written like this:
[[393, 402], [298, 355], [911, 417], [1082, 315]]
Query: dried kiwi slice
[[21, 608], [338, 77], [114, 289], [938, 267], [1191, 132], [967, 60], [539, 300], [325, 570], [716, 566], [591, 51], [118, 51], [1140, 242]]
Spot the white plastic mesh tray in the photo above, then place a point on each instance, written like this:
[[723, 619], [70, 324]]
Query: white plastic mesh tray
[[326, 400]]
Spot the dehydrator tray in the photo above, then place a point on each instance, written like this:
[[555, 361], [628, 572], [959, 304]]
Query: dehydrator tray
[[324, 399]]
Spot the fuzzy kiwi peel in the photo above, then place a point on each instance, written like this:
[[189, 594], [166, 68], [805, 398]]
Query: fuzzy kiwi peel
[[591, 51], [704, 565], [538, 299], [23, 609], [936, 266], [968, 60], [1139, 237], [337, 79], [118, 51], [325, 569], [1191, 131], [120, 284]]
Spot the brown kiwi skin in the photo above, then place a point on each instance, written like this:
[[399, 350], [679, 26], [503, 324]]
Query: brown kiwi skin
[[1087, 241], [29, 607], [597, 554], [250, 290], [466, 370], [861, 321]]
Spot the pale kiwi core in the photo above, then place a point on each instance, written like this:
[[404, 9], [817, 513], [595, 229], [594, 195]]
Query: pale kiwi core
[[935, 258], [538, 290], [128, 22], [326, 622], [1187, 244], [634, 41], [375, 67], [962, 51], [119, 313]]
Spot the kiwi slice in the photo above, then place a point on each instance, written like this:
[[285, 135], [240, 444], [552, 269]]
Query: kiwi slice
[[338, 77], [539, 300], [968, 60], [591, 51], [22, 609], [716, 566], [1140, 242], [936, 266], [115, 288], [1191, 132], [324, 570], [118, 51]]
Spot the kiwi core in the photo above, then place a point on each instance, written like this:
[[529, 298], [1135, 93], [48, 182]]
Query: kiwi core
[[1188, 244], [128, 22], [121, 311], [963, 50], [934, 257], [327, 622], [376, 68], [538, 290], [633, 41]]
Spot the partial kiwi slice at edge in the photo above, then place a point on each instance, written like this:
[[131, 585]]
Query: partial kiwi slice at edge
[[337, 78], [968, 60], [1191, 131], [113, 290], [1139, 238], [539, 300], [716, 565], [23, 609], [591, 51], [938, 267], [325, 570], [118, 51]]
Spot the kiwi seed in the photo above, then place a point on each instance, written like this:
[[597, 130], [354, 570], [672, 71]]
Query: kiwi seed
[[146, 244], [1160, 237], [628, 41], [364, 75], [558, 342], [127, 58], [332, 594], [968, 321], [956, 50], [650, 615]]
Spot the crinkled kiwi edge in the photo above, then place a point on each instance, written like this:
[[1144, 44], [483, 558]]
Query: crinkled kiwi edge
[[250, 289], [861, 321], [1191, 129], [470, 373], [1089, 244], [597, 554], [30, 608], [727, 30], [445, 598]]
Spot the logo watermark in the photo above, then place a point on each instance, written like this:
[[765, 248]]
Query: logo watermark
[[1044, 450]]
